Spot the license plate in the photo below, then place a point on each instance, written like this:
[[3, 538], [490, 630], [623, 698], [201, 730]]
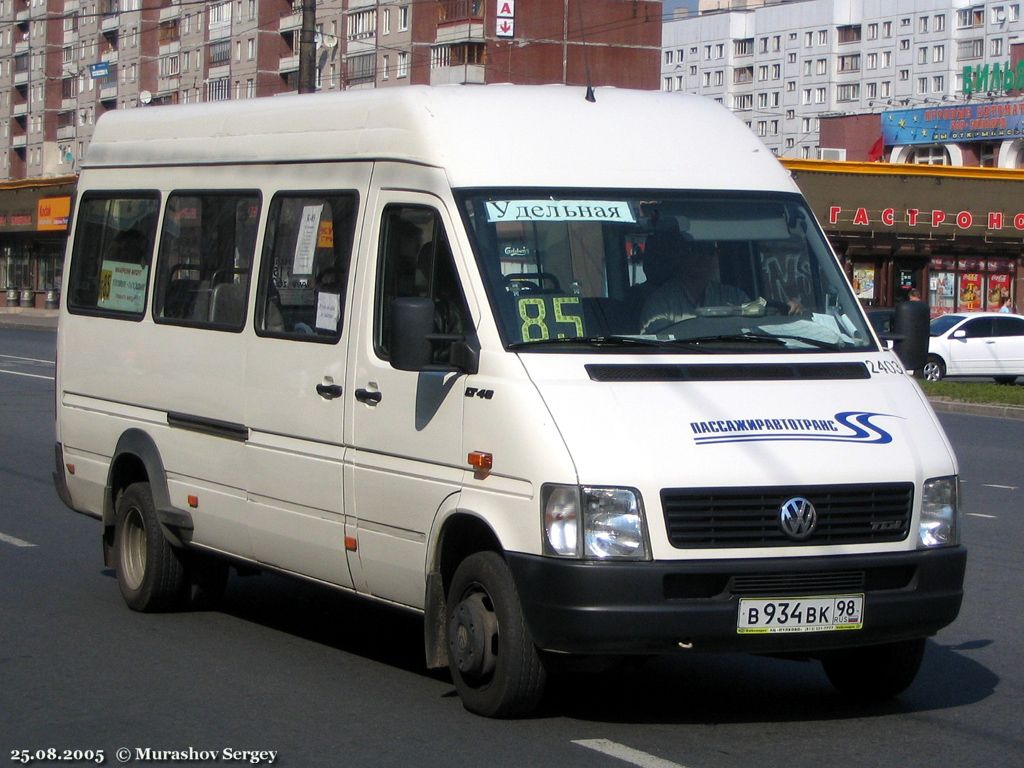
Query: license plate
[[821, 613]]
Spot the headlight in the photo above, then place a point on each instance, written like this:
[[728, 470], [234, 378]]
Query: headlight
[[940, 525], [600, 523]]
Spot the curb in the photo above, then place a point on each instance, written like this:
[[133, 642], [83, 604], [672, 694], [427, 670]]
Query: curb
[[945, 405], [17, 317]]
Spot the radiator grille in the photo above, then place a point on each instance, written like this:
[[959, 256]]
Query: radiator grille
[[749, 517]]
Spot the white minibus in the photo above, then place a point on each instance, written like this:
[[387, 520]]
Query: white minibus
[[567, 376]]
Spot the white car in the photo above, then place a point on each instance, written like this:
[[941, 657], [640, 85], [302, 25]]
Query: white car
[[976, 344]]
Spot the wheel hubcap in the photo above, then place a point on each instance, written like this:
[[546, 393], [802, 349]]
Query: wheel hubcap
[[133, 548], [473, 636]]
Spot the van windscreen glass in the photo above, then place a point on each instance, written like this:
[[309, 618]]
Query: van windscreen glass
[[667, 271]]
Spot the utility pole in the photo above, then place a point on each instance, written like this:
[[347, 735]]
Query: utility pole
[[307, 48]]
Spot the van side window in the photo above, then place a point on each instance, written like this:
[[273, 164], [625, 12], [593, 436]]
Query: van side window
[[206, 253], [112, 254], [416, 260], [304, 273]]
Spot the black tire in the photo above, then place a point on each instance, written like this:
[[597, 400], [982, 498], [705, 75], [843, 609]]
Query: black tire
[[150, 572], [494, 663], [876, 672], [934, 369], [1005, 379]]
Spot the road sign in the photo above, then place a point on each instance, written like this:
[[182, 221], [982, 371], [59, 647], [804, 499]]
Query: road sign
[[505, 28], [506, 9]]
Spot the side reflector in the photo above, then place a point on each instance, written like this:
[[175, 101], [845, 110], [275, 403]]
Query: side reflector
[[351, 544], [480, 460], [193, 501], [71, 468]]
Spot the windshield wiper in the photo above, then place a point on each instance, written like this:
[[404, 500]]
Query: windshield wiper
[[778, 340], [589, 341]]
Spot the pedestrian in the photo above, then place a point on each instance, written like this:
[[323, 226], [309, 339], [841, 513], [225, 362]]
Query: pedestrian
[[1004, 305], [914, 295]]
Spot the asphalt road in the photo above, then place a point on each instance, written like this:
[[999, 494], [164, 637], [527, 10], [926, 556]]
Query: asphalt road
[[319, 678]]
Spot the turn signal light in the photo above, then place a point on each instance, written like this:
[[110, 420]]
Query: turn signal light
[[480, 460]]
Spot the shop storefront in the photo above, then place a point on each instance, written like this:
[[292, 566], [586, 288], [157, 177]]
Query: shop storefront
[[33, 232], [955, 236]]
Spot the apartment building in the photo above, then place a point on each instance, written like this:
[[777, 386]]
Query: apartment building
[[784, 65], [63, 63]]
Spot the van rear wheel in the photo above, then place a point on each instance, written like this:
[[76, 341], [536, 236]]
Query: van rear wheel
[[877, 672], [494, 663], [150, 572]]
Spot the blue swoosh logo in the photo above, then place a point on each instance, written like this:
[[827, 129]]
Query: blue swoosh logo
[[861, 430]]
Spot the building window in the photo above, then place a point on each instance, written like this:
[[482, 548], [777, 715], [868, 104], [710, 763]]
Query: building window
[[934, 154], [905, 44], [385, 21], [872, 61], [361, 68], [970, 17], [940, 22], [670, 57], [823, 37], [743, 102], [886, 29], [922, 85], [970, 49], [403, 64], [938, 54], [872, 31], [996, 46], [219, 89], [871, 90], [849, 63], [743, 47], [820, 95], [848, 92], [362, 25], [922, 24], [848, 34], [742, 75], [938, 84], [403, 18]]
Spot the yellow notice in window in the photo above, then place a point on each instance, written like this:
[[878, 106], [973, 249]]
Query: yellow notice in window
[[325, 238]]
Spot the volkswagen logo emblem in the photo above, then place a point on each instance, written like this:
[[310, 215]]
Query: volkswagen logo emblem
[[798, 518]]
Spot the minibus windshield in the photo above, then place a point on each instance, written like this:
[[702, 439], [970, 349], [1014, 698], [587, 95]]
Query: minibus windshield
[[580, 270]]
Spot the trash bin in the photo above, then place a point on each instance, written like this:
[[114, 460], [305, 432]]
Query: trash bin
[[52, 299], [28, 298], [12, 297]]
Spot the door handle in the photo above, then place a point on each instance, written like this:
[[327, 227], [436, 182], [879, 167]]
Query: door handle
[[328, 391], [368, 397]]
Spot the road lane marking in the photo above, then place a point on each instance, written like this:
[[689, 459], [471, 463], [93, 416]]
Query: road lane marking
[[979, 514], [27, 359], [30, 375], [15, 541], [1002, 487], [626, 754]]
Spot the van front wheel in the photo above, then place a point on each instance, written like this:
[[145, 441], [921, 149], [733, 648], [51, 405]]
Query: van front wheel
[[877, 672], [150, 572], [494, 664]]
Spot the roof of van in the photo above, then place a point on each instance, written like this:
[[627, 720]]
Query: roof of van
[[494, 135]]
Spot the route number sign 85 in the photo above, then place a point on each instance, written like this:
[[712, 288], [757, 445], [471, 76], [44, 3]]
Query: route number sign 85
[[545, 317]]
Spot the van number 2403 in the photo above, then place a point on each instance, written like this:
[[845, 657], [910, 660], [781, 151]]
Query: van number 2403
[[884, 366]]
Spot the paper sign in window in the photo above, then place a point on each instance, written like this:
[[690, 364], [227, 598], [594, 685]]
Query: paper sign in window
[[328, 311], [305, 243], [123, 286]]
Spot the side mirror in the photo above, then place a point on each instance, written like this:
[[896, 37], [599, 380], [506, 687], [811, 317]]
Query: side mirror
[[958, 334], [412, 321], [411, 336], [911, 322]]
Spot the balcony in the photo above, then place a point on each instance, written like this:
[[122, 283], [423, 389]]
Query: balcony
[[288, 64], [19, 110], [70, 6], [109, 24], [19, 142], [462, 74], [460, 32], [290, 23], [69, 105], [165, 85], [169, 48], [67, 132], [109, 56], [21, 47], [21, 78], [108, 93], [170, 13]]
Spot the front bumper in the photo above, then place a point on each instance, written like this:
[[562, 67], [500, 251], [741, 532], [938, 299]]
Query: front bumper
[[658, 607]]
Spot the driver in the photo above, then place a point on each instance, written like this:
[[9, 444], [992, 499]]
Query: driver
[[693, 283]]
